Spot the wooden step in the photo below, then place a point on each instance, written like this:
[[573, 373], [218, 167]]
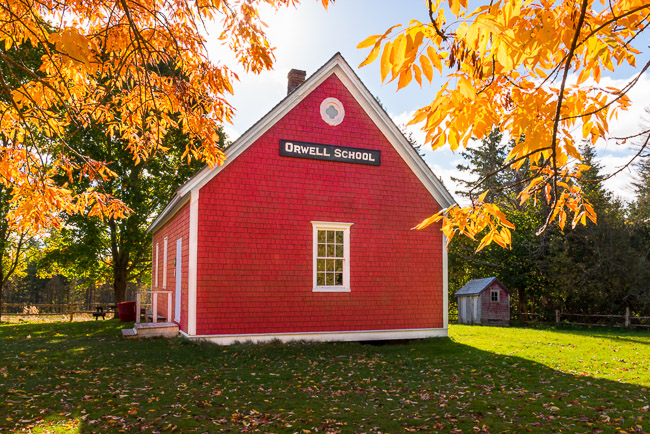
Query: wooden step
[[151, 330], [129, 333]]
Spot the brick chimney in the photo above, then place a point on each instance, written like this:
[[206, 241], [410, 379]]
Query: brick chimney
[[295, 79]]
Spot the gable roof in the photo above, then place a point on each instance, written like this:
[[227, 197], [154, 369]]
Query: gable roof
[[335, 66], [476, 286]]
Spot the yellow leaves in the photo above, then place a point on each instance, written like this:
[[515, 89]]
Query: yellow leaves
[[73, 43], [436, 58], [153, 75], [472, 221], [427, 69], [372, 56], [465, 88], [404, 79]]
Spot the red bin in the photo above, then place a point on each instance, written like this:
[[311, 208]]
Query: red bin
[[126, 311]]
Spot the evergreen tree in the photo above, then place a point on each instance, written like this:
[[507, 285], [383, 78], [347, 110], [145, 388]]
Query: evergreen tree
[[595, 268], [518, 268]]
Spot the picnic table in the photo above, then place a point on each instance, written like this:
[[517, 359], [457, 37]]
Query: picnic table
[[103, 310]]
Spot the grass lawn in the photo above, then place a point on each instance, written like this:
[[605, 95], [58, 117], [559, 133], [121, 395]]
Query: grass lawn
[[83, 377]]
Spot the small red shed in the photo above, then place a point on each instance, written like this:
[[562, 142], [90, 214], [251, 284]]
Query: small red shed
[[304, 233], [483, 301]]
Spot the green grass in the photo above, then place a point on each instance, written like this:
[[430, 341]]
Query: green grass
[[83, 377]]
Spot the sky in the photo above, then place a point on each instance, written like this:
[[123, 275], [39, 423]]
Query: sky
[[307, 36]]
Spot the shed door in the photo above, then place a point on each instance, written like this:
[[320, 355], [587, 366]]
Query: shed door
[[179, 274], [467, 310]]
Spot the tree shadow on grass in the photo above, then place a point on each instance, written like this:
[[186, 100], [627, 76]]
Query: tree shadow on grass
[[95, 381], [633, 336]]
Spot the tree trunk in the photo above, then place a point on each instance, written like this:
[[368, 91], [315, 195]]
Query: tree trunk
[[120, 278], [521, 301], [2, 287]]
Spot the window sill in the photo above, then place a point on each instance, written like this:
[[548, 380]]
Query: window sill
[[330, 289]]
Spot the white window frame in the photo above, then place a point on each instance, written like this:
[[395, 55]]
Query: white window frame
[[156, 268], [492, 292], [323, 226], [165, 263]]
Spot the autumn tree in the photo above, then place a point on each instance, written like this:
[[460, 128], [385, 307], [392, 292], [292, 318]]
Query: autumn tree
[[531, 69], [101, 66], [15, 242], [119, 250]]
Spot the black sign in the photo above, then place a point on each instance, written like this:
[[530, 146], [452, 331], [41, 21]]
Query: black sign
[[318, 151]]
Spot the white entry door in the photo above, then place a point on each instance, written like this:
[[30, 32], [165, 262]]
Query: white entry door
[[179, 274]]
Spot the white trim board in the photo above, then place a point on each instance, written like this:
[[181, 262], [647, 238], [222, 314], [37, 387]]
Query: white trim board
[[344, 336], [445, 283], [335, 66], [192, 262]]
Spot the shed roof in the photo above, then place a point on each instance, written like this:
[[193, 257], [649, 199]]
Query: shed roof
[[476, 286]]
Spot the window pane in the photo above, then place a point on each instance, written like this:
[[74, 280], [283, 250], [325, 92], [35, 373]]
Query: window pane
[[330, 264], [331, 250], [339, 251], [338, 279], [339, 237], [321, 236], [331, 236], [321, 250], [320, 279], [320, 264], [330, 279], [338, 265]]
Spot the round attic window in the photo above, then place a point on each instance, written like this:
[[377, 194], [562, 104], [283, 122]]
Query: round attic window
[[332, 111]]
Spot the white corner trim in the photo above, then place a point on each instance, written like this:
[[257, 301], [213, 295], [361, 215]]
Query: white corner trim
[[343, 336], [193, 262], [156, 271], [445, 284], [164, 285]]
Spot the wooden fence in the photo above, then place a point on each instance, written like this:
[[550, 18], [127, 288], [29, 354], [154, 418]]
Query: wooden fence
[[626, 320], [34, 309]]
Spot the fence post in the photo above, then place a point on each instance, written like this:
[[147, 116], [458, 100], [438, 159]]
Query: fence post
[[557, 316], [627, 317], [71, 311]]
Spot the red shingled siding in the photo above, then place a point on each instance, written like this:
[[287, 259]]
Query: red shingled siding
[[176, 227], [491, 310], [255, 236]]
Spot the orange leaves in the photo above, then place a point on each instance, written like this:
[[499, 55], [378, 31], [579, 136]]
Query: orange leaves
[[503, 66], [400, 56], [73, 44], [480, 219], [135, 71]]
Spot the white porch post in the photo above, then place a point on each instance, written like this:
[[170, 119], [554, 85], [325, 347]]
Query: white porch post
[[169, 306], [155, 307], [137, 307]]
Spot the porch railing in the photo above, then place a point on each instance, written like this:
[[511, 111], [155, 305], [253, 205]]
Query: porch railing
[[154, 305]]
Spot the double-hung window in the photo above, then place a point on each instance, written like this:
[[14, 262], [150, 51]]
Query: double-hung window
[[494, 294], [331, 256]]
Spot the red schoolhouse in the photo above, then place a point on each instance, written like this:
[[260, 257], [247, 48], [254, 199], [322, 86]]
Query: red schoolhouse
[[305, 232]]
